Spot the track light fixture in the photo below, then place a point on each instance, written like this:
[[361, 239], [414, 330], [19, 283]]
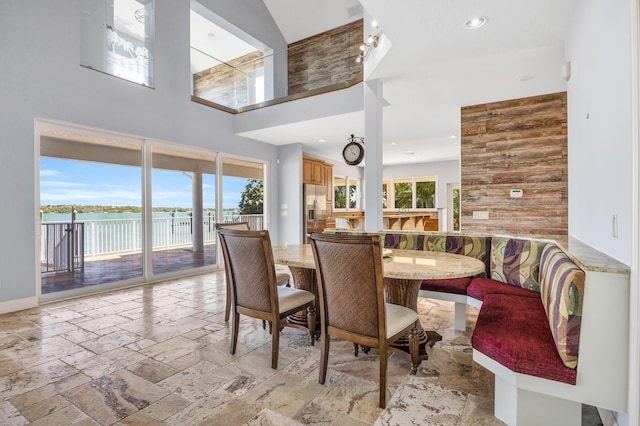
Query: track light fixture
[[372, 43]]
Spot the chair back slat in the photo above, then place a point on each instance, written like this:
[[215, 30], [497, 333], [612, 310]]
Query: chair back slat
[[350, 283], [233, 225], [249, 260]]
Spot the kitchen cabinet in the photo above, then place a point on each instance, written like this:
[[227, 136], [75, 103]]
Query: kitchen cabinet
[[312, 171], [328, 181]]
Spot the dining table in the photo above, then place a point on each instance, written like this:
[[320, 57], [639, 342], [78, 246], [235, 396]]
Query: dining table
[[403, 273]]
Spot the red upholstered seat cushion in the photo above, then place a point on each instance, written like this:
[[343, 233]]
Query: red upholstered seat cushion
[[514, 331], [447, 285], [481, 287]]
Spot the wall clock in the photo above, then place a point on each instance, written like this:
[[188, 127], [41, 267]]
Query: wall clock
[[353, 152]]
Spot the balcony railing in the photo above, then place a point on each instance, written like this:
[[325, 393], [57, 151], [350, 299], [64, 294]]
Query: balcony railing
[[320, 64], [64, 246]]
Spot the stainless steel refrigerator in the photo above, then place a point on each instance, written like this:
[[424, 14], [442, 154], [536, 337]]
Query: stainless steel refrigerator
[[315, 208]]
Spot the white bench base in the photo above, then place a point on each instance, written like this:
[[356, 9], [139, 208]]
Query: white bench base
[[460, 308], [519, 407]]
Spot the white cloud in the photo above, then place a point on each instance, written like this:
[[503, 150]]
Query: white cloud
[[50, 173], [61, 184]]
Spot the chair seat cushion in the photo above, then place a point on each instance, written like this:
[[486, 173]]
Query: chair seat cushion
[[447, 285], [282, 278], [399, 318], [290, 298], [481, 287], [514, 331]]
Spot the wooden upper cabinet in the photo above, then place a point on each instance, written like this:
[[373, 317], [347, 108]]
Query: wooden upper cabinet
[[313, 171], [328, 181]]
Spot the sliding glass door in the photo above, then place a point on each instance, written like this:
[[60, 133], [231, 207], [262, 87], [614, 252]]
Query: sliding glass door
[[183, 209], [90, 211], [243, 192], [117, 210]]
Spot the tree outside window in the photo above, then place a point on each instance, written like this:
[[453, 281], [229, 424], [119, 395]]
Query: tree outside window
[[403, 193], [385, 194], [353, 194], [339, 193], [425, 193], [252, 198]]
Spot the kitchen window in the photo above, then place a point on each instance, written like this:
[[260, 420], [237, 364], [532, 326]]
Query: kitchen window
[[346, 193]]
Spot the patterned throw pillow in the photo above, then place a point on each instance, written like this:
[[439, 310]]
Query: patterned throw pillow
[[516, 262], [561, 291]]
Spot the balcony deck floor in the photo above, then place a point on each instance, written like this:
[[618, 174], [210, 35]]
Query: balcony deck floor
[[126, 266]]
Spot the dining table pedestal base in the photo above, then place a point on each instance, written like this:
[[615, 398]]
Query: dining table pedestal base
[[404, 292], [305, 279]]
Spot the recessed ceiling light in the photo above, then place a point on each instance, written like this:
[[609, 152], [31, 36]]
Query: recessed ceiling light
[[409, 152], [394, 143], [475, 23], [322, 140], [453, 136], [526, 78]]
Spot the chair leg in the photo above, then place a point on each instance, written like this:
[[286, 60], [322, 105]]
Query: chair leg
[[356, 348], [227, 308], [311, 323], [414, 350], [275, 345], [234, 333], [383, 378], [324, 357]]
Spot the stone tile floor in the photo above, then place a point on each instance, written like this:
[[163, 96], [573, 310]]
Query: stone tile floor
[[158, 354]]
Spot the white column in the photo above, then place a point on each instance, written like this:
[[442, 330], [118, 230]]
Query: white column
[[373, 155], [197, 221]]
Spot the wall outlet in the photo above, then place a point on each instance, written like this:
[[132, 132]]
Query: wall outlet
[[481, 215], [614, 226]]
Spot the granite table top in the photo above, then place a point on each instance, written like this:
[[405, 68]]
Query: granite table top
[[400, 264]]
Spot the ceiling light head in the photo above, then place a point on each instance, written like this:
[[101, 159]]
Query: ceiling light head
[[475, 22], [362, 47], [322, 140], [409, 152], [373, 40], [374, 24], [453, 136], [394, 143]]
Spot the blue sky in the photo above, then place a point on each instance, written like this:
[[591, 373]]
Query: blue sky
[[85, 183]]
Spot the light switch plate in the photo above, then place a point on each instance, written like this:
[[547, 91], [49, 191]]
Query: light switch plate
[[481, 215]]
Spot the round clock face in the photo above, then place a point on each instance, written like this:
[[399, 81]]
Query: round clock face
[[353, 153]]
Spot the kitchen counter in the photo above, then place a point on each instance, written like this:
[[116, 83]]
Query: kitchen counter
[[421, 221]]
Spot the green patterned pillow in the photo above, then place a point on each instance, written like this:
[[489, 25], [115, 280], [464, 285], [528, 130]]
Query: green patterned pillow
[[435, 243], [516, 262], [562, 291]]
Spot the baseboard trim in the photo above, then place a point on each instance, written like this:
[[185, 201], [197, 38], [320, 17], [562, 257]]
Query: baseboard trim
[[18, 305]]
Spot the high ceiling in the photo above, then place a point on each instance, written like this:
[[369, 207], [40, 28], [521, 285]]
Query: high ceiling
[[434, 67]]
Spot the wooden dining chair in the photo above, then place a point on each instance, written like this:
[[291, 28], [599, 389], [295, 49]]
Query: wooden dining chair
[[282, 278], [251, 274], [352, 302]]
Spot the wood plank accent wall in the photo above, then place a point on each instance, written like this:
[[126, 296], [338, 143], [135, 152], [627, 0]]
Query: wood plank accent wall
[[516, 144], [325, 59], [226, 84]]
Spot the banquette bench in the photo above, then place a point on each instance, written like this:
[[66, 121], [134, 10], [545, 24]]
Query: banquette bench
[[551, 328]]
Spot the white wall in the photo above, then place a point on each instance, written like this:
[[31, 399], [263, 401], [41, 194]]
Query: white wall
[[41, 77], [444, 171], [599, 129], [290, 189]]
